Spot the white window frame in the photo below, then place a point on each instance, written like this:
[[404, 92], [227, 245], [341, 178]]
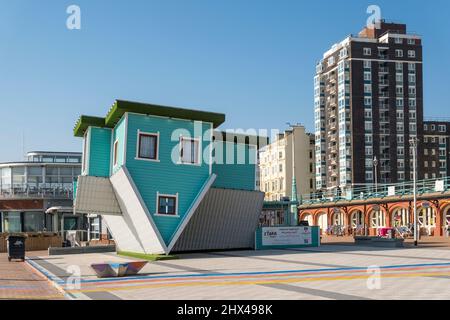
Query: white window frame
[[180, 160], [367, 51], [154, 134], [116, 153], [399, 53], [84, 160], [158, 195]]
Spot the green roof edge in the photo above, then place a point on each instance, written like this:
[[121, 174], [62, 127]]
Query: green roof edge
[[87, 121], [120, 107]]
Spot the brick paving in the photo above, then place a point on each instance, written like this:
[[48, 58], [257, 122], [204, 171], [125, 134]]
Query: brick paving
[[18, 281]]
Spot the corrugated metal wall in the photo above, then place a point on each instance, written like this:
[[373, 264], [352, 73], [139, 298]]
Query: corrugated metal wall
[[226, 219]]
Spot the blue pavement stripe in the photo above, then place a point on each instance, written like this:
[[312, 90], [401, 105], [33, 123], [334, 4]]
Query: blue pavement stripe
[[45, 272], [260, 273], [57, 281]]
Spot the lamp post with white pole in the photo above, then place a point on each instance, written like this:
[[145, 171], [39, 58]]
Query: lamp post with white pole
[[375, 165], [414, 142], [294, 197]]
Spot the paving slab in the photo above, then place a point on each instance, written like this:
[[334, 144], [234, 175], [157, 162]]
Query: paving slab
[[330, 272]]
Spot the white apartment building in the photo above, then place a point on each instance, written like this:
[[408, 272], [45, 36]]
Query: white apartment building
[[275, 165]]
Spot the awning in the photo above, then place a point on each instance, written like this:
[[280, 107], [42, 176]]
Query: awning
[[95, 195], [54, 210]]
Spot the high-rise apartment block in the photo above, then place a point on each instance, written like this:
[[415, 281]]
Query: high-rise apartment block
[[368, 105]]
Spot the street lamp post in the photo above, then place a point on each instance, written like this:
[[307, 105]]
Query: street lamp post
[[375, 165], [294, 196], [413, 143]]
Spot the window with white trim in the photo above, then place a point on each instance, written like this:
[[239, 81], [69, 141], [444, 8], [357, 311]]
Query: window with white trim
[[147, 146], [367, 51], [411, 54], [330, 61], [167, 205], [85, 142], [115, 152], [189, 150], [399, 53]]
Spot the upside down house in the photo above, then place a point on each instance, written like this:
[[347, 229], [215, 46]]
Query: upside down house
[[165, 179]]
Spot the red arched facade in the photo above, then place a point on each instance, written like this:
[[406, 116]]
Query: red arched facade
[[440, 211]]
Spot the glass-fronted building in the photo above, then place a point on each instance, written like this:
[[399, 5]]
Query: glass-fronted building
[[29, 188]]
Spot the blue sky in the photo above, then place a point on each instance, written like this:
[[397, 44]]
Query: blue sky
[[253, 60]]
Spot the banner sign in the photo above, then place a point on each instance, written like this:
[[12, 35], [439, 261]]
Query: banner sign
[[282, 236], [391, 191], [440, 186]]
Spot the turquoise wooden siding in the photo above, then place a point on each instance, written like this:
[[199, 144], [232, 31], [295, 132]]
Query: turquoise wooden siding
[[119, 134], [100, 152], [165, 176], [235, 175]]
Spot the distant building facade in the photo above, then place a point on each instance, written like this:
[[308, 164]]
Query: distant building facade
[[436, 150], [275, 165], [369, 103], [30, 187]]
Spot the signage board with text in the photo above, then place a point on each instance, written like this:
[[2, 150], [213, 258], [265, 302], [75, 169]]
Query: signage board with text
[[286, 236]]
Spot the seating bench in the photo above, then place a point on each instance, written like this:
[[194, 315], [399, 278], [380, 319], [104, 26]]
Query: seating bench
[[379, 242], [114, 269]]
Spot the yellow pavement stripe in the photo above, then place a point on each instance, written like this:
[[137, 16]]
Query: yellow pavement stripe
[[113, 283], [259, 282]]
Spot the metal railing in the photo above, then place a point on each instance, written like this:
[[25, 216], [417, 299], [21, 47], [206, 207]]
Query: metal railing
[[371, 191], [64, 191]]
